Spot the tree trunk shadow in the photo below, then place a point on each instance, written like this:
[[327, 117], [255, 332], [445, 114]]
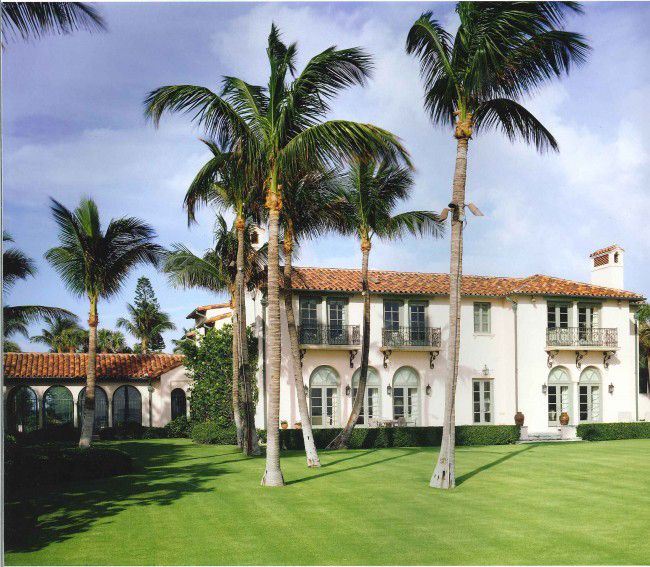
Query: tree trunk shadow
[[462, 478]]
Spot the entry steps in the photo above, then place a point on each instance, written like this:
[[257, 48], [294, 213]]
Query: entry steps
[[566, 433]]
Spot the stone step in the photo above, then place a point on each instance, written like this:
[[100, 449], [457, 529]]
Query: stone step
[[565, 433]]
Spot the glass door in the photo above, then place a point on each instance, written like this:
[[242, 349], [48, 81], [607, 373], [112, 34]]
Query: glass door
[[589, 402], [587, 321], [405, 404], [324, 406], [559, 401], [417, 327], [335, 316]]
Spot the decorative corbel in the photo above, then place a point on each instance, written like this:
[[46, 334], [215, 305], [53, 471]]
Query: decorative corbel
[[387, 354], [551, 357], [579, 356], [353, 354], [607, 355], [432, 358]]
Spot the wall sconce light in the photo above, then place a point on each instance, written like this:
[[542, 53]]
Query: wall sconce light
[[348, 390], [306, 389], [533, 299], [544, 388], [486, 370], [428, 389], [389, 390], [611, 388]]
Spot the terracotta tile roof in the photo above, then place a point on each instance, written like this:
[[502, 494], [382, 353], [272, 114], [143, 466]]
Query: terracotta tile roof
[[203, 308], [605, 250], [73, 366], [416, 283], [216, 318]]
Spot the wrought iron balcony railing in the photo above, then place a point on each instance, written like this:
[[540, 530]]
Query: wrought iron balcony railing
[[582, 337], [329, 335], [411, 336]]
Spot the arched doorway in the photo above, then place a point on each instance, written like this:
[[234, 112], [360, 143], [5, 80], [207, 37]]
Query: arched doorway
[[101, 407], [372, 397], [324, 397], [127, 406], [58, 407], [406, 395], [179, 403], [559, 395], [590, 395], [22, 410]]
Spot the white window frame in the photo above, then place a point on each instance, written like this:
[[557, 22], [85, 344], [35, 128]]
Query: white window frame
[[485, 406], [480, 311]]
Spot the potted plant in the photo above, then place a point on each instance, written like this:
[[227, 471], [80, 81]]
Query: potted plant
[[284, 424], [297, 425]]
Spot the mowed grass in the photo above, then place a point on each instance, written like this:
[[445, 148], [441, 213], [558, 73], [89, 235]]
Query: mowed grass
[[569, 503]]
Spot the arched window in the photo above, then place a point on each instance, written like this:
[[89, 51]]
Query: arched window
[[101, 407], [179, 403], [22, 410], [589, 389], [406, 395], [324, 397], [58, 406], [127, 406], [372, 397], [559, 394]]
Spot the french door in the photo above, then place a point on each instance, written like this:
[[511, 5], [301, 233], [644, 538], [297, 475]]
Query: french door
[[405, 404], [324, 406], [370, 405], [589, 402], [559, 401]]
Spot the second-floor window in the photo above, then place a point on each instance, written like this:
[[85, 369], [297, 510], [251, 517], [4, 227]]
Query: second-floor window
[[481, 317], [336, 313], [391, 315], [309, 312], [417, 315], [588, 316], [558, 315]]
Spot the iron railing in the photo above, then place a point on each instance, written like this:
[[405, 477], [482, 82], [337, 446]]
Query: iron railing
[[329, 335], [411, 336], [582, 337]]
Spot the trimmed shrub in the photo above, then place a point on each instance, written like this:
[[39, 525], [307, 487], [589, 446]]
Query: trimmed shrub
[[371, 438], [612, 431], [179, 427], [125, 431], [52, 434], [210, 433], [154, 433]]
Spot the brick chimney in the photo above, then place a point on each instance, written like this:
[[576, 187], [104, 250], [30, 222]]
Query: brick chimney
[[607, 267]]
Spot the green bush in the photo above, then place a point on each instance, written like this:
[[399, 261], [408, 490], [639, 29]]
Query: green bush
[[611, 431], [370, 438], [211, 433], [179, 427], [154, 433], [52, 434]]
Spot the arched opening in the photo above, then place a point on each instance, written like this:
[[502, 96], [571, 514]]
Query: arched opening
[[101, 407], [179, 403], [589, 395], [406, 396], [371, 399], [58, 407], [559, 395], [127, 406], [324, 385], [22, 410]]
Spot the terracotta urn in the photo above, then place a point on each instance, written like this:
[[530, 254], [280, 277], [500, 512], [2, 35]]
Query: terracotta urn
[[284, 425], [564, 418], [297, 425], [519, 419]]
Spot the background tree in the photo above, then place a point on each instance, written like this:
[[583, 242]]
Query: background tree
[[281, 128], [109, 341], [52, 335], [367, 199], [146, 322], [475, 81], [96, 263]]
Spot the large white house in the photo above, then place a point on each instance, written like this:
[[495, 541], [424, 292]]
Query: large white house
[[539, 345]]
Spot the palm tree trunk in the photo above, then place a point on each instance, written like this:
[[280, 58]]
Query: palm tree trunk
[[88, 414], [444, 475], [343, 439], [305, 418], [236, 409], [250, 440], [143, 345], [273, 473]]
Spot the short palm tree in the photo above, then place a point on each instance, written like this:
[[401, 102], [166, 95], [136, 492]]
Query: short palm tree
[[281, 129], [96, 263], [111, 341], [53, 334], [474, 82], [367, 200], [29, 20], [146, 324]]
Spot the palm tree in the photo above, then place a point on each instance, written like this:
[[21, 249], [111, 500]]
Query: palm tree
[[74, 339], [225, 182], [367, 199], [281, 128], [216, 271], [111, 341], [96, 263], [474, 82], [32, 20], [53, 335]]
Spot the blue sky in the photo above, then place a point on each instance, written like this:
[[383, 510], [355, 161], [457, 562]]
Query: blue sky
[[73, 126]]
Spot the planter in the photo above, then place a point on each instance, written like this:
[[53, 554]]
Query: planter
[[519, 419], [297, 425], [564, 418], [284, 425]]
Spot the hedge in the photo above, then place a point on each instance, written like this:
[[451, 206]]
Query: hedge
[[611, 431], [210, 433], [370, 438]]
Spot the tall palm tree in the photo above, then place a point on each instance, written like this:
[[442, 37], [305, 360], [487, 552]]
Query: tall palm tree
[[53, 333], [227, 182], [282, 128], [32, 20], [475, 81], [367, 200], [96, 263]]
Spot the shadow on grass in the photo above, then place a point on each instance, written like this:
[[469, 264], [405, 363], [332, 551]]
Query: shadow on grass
[[62, 511], [506, 457]]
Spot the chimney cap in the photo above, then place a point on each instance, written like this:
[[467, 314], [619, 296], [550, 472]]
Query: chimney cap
[[606, 250]]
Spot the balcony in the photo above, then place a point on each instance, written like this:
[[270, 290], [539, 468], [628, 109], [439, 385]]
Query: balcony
[[326, 336], [411, 338], [579, 338]]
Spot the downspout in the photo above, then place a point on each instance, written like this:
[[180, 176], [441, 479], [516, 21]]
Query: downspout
[[514, 308], [264, 303], [637, 369]]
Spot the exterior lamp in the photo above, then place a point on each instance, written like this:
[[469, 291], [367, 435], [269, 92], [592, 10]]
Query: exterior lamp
[[389, 390], [544, 388], [428, 389], [611, 388], [348, 390]]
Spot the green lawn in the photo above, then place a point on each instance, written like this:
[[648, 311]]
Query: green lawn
[[569, 503]]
